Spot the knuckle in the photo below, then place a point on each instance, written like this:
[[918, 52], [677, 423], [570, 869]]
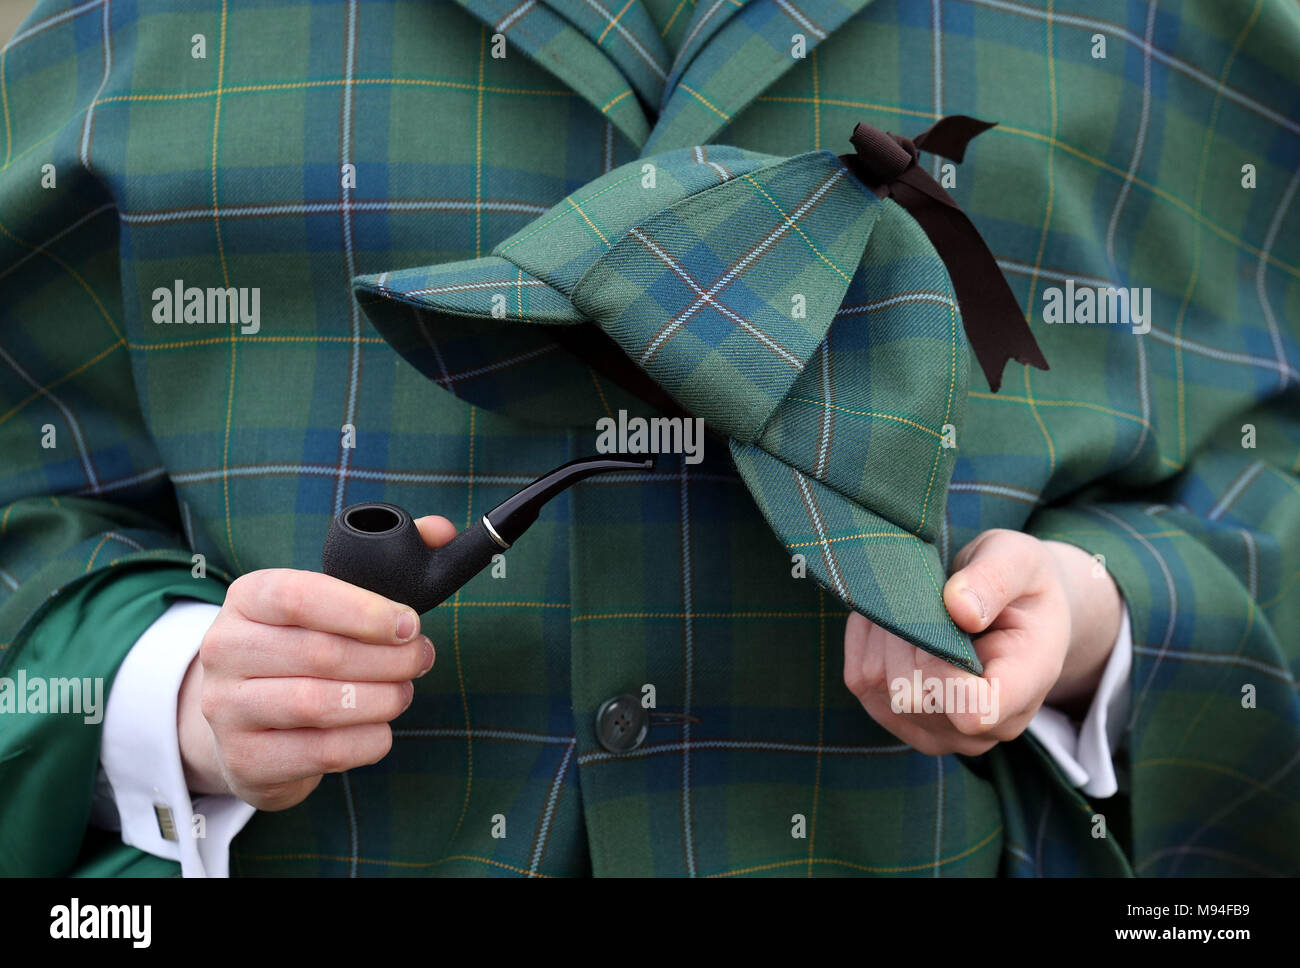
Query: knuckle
[[285, 595], [379, 619], [328, 655], [214, 648], [991, 579], [239, 759], [210, 704], [238, 592], [333, 756], [303, 703]]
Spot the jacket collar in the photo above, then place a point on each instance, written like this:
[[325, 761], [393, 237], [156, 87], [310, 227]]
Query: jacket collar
[[609, 52]]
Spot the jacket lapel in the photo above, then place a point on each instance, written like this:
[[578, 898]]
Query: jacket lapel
[[609, 75], [737, 53], [708, 18], [609, 52], [622, 29]]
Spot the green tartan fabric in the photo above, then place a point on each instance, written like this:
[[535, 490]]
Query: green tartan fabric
[[804, 320], [227, 169]]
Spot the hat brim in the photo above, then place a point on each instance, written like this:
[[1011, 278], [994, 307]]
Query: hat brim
[[877, 568], [488, 288], [488, 332]]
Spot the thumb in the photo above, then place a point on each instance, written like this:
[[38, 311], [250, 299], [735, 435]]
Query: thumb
[[435, 530], [1002, 566]]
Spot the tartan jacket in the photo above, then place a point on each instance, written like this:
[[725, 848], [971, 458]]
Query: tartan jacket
[[1138, 145]]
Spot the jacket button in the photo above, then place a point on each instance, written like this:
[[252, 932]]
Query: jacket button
[[621, 723]]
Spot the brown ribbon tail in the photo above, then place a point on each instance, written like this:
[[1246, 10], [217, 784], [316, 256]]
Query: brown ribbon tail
[[949, 136], [991, 315], [886, 163]]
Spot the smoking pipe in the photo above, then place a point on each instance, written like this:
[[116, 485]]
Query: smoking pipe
[[377, 546]]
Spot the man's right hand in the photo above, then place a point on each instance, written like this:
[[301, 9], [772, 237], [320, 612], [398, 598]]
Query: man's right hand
[[298, 676]]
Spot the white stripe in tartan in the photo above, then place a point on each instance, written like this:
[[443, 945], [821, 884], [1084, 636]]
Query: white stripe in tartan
[[705, 298], [1276, 672], [635, 44], [50, 22], [695, 30], [828, 553], [1232, 493], [731, 274], [554, 795], [798, 17], [464, 287], [514, 15], [330, 208], [86, 464], [1172, 591]]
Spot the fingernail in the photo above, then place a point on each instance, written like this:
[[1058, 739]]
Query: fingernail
[[428, 656], [407, 626], [410, 695], [979, 602]]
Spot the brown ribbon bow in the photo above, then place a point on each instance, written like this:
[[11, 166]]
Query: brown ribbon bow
[[886, 163]]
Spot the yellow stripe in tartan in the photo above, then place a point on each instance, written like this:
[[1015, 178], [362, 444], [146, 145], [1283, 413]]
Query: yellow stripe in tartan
[[817, 105], [563, 212], [705, 101], [620, 97], [36, 394], [1216, 768], [396, 863], [455, 639], [1047, 222], [818, 542], [671, 20], [929, 865], [225, 274], [41, 250], [790, 222], [610, 26], [578, 208], [284, 86]]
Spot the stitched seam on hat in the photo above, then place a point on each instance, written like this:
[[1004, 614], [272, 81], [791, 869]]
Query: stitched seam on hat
[[952, 384], [501, 249], [866, 413]]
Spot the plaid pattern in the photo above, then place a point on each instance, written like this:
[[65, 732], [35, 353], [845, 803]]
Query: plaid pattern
[[850, 471], [225, 170]]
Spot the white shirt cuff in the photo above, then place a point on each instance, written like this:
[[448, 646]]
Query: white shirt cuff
[[1087, 756], [142, 778]]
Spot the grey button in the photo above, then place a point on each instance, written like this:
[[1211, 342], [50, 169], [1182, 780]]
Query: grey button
[[621, 723]]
